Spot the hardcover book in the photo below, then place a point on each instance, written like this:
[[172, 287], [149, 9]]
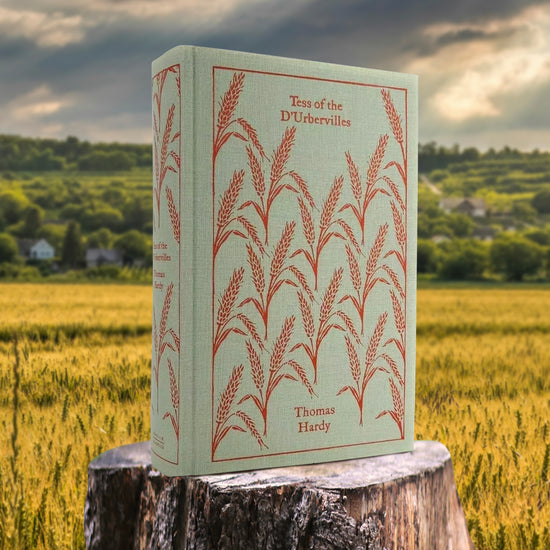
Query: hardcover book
[[284, 261]]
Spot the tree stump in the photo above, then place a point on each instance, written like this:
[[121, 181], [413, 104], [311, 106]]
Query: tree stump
[[401, 501]]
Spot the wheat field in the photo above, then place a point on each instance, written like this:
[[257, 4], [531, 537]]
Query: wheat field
[[78, 382]]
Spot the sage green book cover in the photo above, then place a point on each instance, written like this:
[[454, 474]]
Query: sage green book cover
[[284, 265]]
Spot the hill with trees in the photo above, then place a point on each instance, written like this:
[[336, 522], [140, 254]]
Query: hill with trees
[[76, 196], [481, 215], [37, 154], [510, 239]]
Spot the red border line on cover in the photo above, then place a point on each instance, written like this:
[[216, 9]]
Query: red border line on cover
[[318, 79], [284, 453]]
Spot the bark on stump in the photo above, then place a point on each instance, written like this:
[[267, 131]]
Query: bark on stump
[[400, 501]]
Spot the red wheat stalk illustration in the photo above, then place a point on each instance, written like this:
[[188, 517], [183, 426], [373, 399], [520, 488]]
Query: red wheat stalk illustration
[[397, 414], [397, 130], [267, 287], [329, 228], [395, 280], [282, 154], [174, 215], [226, 125], [162, 154], [163, 337], [228, 314], [395, 370], [227, 222], [400, 325], [330, 318], [401, 235], [258, 277], [226, 419], [280, 368], [362, 288], [160, 146], [393, 187], [364, 195], [227, 311], [175, 400], [280, 179], [229, 199], [160, 80], [361, 378]]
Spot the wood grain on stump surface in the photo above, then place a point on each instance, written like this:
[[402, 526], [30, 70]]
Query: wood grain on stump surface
[[399, 501]]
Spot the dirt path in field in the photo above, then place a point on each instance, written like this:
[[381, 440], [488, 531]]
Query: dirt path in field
[[430, 185]]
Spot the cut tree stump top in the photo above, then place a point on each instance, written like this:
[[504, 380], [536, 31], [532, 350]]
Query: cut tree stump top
[[398, 501], [427, 456]]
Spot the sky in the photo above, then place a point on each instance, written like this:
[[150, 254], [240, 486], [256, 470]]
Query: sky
[[69, 67]]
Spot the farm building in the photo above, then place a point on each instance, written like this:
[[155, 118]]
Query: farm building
[[39, 249], [472, 207], [96, 257]]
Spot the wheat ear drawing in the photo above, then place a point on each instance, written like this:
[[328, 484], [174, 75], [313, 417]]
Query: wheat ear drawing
[[281, 367], [226, 416], [330, 227], [226, 310], [161, 144], [397, 414], [364, 195], [401, 236], [362, 377], [161, 334], [174, 215], [280, 179], [162, 154], [400, 324], [175, 400], [330, 318], [227, 125], [226, 212], [280, 274], [229, 318], [397, 131], [363, 286]]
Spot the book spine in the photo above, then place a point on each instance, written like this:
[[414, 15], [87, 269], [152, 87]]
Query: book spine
[[170, 391]]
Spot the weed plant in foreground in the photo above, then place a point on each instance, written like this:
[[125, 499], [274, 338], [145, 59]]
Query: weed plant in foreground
[[74, 403], [82, 381]]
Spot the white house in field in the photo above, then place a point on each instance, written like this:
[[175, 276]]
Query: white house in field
[[42, 250], [39, 249]]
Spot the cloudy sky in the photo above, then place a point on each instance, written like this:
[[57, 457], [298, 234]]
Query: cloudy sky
[[69, 67]]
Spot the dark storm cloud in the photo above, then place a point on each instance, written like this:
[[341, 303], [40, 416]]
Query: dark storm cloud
[[378, 31], [108, 68], [424, 46]]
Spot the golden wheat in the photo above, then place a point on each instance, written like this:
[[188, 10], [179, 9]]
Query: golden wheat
[[483, 389]]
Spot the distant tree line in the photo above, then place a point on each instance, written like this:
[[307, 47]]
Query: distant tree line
[[511, 256], [438, 157], [74, 214], [37, 154], [109, 210], [40, 154]]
